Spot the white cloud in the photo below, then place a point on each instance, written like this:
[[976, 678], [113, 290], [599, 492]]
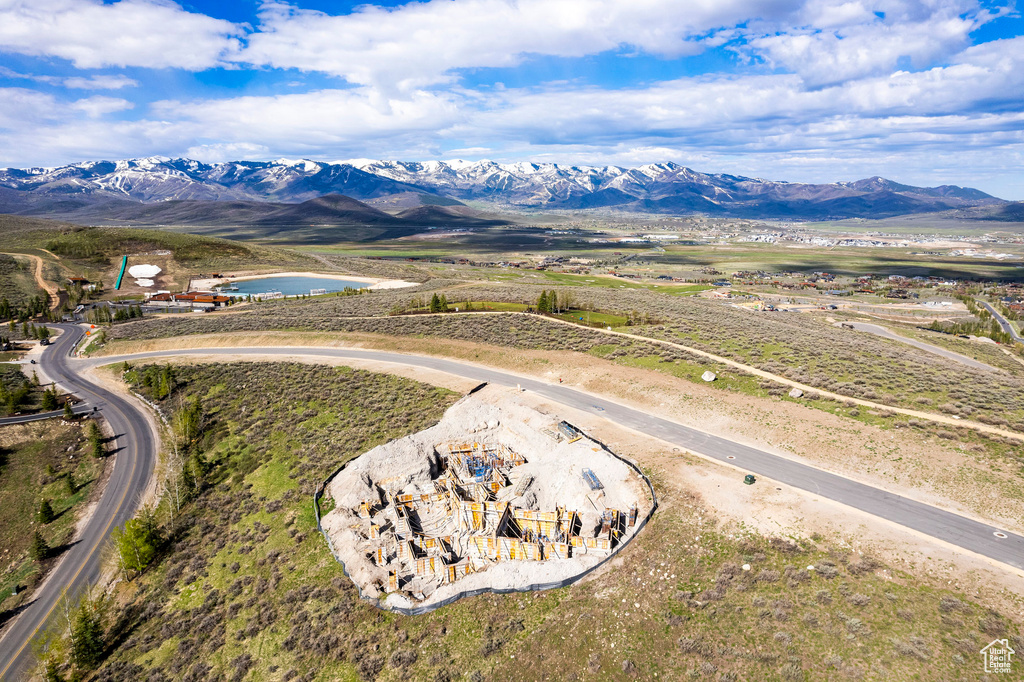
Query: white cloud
[[115, 82], [836, 102], [419, 43], [21, 108], [98, 105], [314, 120], [832, 42], [221, 152], [101, 82], [92, 34]]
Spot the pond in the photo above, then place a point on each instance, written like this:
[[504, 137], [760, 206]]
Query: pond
[[290, 286]]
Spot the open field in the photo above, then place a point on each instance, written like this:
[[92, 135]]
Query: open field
[[686, 260], [803, 347], [926, 224], [846, 261], [247, 588], [37, 461]]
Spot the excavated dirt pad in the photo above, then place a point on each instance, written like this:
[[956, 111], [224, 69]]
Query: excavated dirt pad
[[494, 416]]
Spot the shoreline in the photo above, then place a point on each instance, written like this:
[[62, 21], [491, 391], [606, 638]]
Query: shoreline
[[374, 283]]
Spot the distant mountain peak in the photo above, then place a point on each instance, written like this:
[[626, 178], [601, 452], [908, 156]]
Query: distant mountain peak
[[666, 187]]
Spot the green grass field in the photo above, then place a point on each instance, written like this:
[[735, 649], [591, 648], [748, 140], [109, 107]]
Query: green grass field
[[730, 258]]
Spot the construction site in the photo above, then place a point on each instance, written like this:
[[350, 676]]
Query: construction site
[[496, 495]]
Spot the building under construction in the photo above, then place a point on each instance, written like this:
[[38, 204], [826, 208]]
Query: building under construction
[[479, 514]]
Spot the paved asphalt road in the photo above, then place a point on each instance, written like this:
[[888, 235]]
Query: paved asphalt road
[[80, 564], [952, 528], [882, 331], [1003, 322], [39, 416]]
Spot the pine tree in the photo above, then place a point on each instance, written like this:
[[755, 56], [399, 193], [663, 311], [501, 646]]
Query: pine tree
[[52, 671], [435, 304], [95, 438], [68, 410], [87, 637], [49, 400], [165, 384], [542, 303], [443, 303], [39, 549], [45, 512], [69, 483]]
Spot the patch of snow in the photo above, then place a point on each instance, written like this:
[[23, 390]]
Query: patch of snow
[[144, 271]]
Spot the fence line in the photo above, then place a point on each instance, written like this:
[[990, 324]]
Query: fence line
[[495, 590]]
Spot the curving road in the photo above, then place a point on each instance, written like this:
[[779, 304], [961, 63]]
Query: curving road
[[1003, 322], [954, 529], [80, 564], [886, 333]]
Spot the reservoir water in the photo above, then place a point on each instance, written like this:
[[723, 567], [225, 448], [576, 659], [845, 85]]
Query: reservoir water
[[290, 286]]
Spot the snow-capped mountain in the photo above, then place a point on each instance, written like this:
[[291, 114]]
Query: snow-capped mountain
[[656, 187], [661, 187], [161, 179]]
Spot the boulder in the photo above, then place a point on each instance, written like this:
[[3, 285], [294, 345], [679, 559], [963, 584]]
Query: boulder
[[796, 393], [708, 376]]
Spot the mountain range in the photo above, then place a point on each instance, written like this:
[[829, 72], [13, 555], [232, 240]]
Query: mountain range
[[175, 191]]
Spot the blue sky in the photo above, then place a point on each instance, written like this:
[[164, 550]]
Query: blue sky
[[921, 91]]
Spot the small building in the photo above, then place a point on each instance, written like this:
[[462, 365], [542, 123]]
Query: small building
[[190, 298]]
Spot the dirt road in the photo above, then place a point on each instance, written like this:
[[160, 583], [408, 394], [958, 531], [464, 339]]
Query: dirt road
[[49, 287]]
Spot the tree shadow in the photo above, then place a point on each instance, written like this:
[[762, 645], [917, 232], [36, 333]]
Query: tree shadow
[[58, 550], [61, 513], [81, 484], [10, 614]]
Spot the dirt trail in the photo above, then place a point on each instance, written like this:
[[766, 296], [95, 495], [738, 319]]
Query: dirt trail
[[48, 287], [931, 416]]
